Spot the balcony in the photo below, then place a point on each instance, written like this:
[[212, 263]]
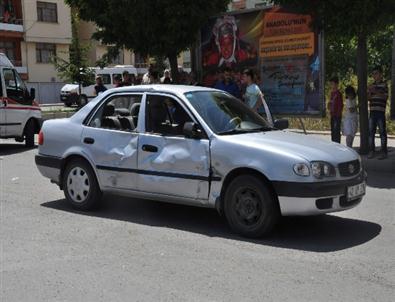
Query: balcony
[[11, 16]]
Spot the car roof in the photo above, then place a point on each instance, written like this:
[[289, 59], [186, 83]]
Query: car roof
[[170, 88]]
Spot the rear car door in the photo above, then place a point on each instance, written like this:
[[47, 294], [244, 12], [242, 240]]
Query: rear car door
[[2, 106], [16, 104], [168, 162], [111, 141]]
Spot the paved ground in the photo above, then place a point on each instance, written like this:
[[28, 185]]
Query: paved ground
[[134, 250]]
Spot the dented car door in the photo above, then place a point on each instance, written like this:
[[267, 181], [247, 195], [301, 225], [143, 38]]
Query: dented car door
[[111, 144], [168, 162]]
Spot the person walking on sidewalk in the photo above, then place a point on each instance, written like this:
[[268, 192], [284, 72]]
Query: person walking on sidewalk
[[335, 107], [378, 96], [350, 120]]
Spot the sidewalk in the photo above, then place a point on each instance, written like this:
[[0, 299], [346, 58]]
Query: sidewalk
[[386, 165]]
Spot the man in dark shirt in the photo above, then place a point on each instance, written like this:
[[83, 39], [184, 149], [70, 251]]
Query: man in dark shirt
[[228, 85], [99, 87], [377, 95], [335, 107]]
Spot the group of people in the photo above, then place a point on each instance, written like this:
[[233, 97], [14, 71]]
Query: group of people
[[348, 122]]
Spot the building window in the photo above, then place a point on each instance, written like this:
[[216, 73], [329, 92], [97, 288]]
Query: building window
[[47, 12], [9, 49], [139, 61], [45, 52], [118, 60]]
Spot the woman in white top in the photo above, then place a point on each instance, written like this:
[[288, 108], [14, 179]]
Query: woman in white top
[[350, 120]]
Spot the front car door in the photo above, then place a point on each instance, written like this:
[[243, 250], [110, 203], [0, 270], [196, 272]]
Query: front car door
[[168, 162], [111, 140]]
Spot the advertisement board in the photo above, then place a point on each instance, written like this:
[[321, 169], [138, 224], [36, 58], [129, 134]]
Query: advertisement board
[[282, 49]]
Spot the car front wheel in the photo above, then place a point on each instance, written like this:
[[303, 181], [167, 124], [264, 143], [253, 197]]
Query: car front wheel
[[251, 209], [80, 185]]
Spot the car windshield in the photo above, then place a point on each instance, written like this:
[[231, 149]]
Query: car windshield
[[225, 114]]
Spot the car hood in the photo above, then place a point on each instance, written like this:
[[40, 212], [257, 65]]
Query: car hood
[[308, 147], [70, 87]]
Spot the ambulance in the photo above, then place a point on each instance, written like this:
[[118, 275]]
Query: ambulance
[[20, 114]]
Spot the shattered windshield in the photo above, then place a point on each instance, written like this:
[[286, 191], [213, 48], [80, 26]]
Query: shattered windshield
[[225, 114]]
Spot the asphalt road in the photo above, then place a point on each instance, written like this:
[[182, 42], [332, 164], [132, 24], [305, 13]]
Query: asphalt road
[[135, 250]]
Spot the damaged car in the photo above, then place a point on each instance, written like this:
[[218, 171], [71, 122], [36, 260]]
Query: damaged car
[[201, 147]]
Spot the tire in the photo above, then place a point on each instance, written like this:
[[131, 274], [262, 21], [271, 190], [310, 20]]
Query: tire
[[29, 132], [80, 185], [68, 104], [250, 207], [81, 102]]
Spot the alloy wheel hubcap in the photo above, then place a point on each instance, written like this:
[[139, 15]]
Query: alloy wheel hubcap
[[78, 185]]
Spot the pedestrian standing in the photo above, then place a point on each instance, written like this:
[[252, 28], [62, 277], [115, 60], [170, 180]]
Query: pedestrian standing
[[99, 87], [227, 84], [335, 107], [350, 120], [378, 96], [252, 94]]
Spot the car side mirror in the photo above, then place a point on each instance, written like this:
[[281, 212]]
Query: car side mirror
[[281, 124], [191, 130], [32, 93]]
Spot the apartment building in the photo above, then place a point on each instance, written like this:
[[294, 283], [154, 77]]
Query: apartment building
[[31, 32]]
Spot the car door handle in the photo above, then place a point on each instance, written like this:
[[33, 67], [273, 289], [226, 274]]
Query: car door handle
[[149, 148], [89, 140]]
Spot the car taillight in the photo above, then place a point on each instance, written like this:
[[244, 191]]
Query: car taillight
[[41, 138]]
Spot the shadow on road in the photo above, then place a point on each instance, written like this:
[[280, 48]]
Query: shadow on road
[[9, 149], [325, 233], [381, 180]]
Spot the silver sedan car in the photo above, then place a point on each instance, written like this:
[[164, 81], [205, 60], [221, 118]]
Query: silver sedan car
[[196, 146]]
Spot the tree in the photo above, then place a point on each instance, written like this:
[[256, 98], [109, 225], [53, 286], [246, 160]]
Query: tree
[[75, 70], [354, 19], [152, 27], [393, 79]]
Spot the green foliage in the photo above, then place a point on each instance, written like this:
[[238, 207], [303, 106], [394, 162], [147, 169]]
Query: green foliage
[[150, 27], [341, 52], [75, 70], [108, 57]]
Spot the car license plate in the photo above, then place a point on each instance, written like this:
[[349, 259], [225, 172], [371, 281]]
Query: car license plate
[[356, 191]]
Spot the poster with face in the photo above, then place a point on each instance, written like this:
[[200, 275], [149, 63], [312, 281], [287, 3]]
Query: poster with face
[[279, 46], [230, 41]]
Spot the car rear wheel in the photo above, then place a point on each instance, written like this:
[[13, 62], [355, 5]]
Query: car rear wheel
[[250, 207], [29, 132], [80, 185], [82, 101]]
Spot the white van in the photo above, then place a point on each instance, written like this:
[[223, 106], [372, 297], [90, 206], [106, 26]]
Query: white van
[[69, 94], [20, 115]]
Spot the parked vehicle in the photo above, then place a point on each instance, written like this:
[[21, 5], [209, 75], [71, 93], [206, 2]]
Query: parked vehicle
[[196, 146], [69, 94], [20, 115]]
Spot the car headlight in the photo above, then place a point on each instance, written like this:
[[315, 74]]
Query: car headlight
[[302, 170], [322, 169]]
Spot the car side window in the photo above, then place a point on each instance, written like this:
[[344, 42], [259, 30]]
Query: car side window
[[15, 87], [165, 116], [106, 78], [118, 113]]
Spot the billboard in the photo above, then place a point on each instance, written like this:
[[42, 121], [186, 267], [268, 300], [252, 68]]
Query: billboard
[[279, 45]]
